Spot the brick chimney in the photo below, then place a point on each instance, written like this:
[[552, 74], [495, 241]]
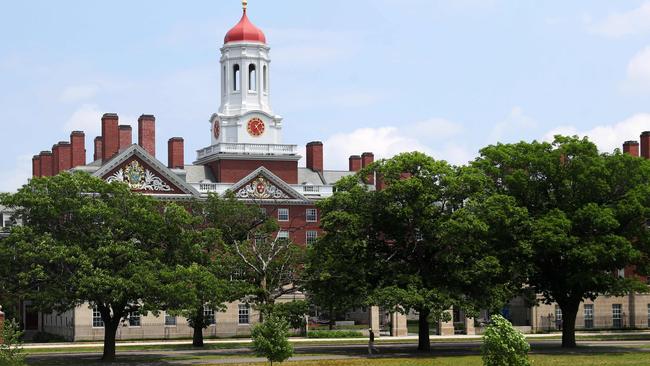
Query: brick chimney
[[36, 166], [368, 158], [175, 153], [55, 159], [64, 161], [98, 143], [147, 133], [315, 156], [46, 163], [355, 163], [110, 136], [645, 144], [125, 136], [78, 141], [631, 148]]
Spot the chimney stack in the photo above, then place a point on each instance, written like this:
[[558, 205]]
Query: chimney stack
[[110, 136], [78, 141], [355, 163], [55, 160], [125, 136], [368, 158], [46, 163], [175, 153], [98, 148], [147, 133], [631, 148], [645, 144], [36, 166], [315, 156], [64, 162]]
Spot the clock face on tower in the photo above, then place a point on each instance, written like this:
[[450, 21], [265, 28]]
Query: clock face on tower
[[216, 128], [255, 127]]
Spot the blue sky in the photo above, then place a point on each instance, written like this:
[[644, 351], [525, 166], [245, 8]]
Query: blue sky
[[445, 77]]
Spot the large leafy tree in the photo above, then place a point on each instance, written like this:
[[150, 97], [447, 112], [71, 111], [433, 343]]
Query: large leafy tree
[[85, 241], [273, 265], [589, 213], [425, 240]]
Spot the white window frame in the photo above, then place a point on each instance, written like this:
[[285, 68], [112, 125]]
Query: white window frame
[[283, 234], [135, 315], [617, 315], [97, 320], [244, 311], [311, 239], [309, 217], [283, 214], [209, 313], [588, 315], [169, 324]]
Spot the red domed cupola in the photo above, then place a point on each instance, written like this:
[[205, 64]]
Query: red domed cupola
[[245, 31]]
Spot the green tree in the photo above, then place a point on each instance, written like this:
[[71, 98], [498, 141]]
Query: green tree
[[425, 241], [588, 213], [196, 277], [293, 312], [503, 345], [271, 339], [11, 351], [272, 264], [87, 242]]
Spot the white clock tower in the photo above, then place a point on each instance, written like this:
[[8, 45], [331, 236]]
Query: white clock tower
[[245, 115]]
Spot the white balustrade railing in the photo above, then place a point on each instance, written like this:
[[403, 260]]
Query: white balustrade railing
[[314, 191], [242, 148]]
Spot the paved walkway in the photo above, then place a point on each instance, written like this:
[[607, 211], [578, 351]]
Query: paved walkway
[[434, 338]]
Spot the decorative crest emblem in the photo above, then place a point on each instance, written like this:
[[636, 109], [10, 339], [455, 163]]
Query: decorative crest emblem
[[138, 178], [260, 188]]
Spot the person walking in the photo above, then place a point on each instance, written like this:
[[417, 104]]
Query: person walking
[[371, 342]]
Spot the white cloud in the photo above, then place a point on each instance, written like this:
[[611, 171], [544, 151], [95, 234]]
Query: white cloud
[[14, 178], [636, 21], [78, 93], [513, 125], [638, 72], [385, 142], [608, 137], [86, 118]]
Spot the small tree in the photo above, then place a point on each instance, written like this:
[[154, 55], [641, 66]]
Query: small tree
[[271, 339], [503, 345], [11, 352]]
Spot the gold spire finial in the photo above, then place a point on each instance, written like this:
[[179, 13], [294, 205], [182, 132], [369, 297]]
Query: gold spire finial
[[244, 4]]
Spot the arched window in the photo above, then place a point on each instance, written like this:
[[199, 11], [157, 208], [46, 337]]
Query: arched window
[[252, 78], [223, 80], [236, 78], [265, 80]]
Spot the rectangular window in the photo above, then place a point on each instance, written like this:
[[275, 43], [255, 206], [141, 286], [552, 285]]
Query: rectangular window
[[208, 315], [621, 273], [311, 215], [283, 234], [244, 312], [558, 317], [589, 315], [97, 319], [134, 319], [312, 235], [170, 321], [283, 214], [617, 319]]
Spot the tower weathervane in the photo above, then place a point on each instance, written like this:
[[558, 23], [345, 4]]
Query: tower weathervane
[[244, 4]]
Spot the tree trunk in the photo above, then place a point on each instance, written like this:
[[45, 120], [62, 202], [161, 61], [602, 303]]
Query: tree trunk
[[197, 337], [332, 319], [424, 344], [110, 328], [569, 314]]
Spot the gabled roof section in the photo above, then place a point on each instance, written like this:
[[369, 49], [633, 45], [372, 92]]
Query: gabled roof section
[[262, 184], [144, 173]]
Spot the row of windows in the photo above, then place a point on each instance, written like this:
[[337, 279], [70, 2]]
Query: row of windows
[[588, 315], [311, 214], [310, 236], [134, 318], [252, 78]]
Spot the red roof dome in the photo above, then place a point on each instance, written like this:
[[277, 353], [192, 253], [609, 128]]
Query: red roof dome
[[245, 31]]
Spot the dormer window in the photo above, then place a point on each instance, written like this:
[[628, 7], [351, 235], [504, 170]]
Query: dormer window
[[252, 78]]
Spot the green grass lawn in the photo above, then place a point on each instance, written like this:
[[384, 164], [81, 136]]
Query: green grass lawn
[[627, 359]]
